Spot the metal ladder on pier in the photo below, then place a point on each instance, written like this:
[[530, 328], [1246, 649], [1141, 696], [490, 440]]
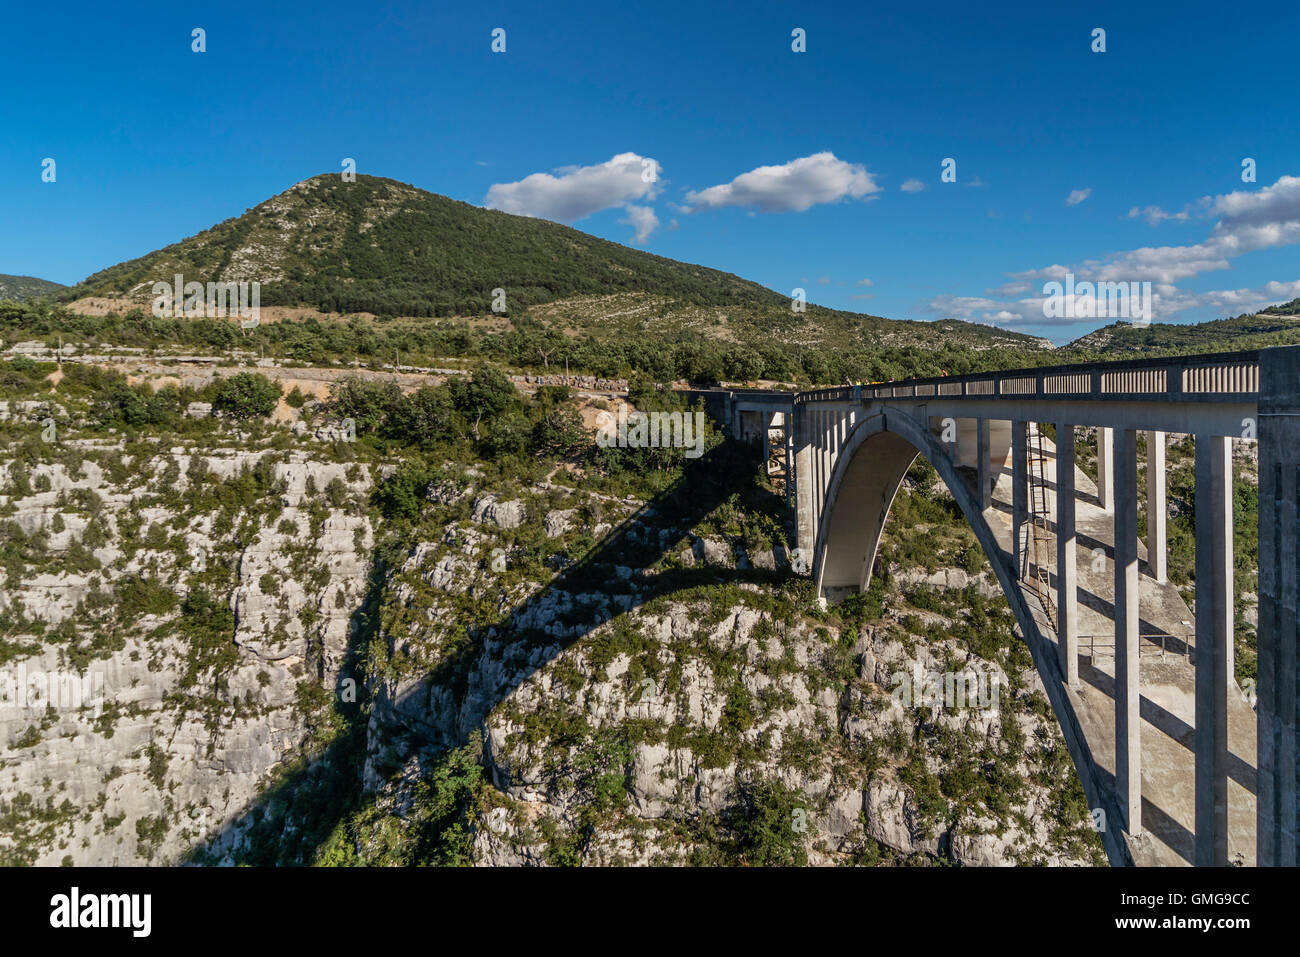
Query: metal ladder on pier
[[1041, 542]]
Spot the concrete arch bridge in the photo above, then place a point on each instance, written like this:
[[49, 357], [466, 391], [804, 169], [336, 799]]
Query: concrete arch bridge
[[1187, 767]]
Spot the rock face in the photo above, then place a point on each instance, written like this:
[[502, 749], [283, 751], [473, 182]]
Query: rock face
[[501, 514], [699, 753], [667, 715], [642, 690], [170, 715]]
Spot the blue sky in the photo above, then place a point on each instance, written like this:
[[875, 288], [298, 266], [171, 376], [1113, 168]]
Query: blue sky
[[154, 142]]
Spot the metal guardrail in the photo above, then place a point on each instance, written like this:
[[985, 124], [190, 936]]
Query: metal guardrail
[[1158, 641], [1183, 378]]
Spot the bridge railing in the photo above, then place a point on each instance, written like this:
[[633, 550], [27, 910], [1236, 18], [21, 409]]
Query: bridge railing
[[1188, 378]]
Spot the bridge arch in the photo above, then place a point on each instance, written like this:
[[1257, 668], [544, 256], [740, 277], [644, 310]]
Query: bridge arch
[[868, 472]]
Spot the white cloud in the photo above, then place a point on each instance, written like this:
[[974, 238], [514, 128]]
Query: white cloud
[[1259, 219], [1247, 221], [981, 309], [1154, 215], [578, 191], [1077, 196], [823, 280], [912, 186], [643, 219], [792, 187], [1166, 302], [865, 282], [1232, 300]]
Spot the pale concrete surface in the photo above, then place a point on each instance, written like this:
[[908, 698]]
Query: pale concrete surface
[[1167, 682]]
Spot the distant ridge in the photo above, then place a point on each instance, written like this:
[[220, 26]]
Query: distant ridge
[[1275, 326], [23, 288]]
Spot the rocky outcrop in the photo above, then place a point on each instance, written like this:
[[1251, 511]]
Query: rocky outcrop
[[152, 749], [489, 509]]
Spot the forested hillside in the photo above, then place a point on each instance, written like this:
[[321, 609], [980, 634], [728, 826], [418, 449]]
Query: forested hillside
[[1275, 326], [21, 288]]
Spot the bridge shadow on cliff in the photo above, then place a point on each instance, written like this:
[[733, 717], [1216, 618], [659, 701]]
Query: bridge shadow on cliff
[[297, 815]]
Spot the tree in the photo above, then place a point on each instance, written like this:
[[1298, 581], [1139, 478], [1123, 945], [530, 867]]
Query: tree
[[560, 434], [744, 364], [769, 825], [136, 406], [424, 418], [482, 396], [246, 395], [367, 403], [509, 435], [401, 494]]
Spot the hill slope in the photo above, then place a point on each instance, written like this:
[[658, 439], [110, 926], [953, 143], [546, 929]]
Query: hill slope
[[1276, 326], [384, 247], [23, 288], [380, 246]]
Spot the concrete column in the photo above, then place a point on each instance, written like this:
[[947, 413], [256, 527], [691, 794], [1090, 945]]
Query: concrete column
[[763, 419], [1157, 508], [791, 475], [1214, 613], [834, 455], [828, 453], [824, 479], [1128, 691], [1106, 468], [984, 470], [819, 469], [802, 443], [1279, 597], [1067, 609], [1019, 492]]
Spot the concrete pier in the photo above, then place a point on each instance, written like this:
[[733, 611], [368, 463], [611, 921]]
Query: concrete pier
[[1128, 722], [984, 468], [1214, 662], [1279, 598], [1157, 508], [1019, 491], [1067, 630], [1106, 468]]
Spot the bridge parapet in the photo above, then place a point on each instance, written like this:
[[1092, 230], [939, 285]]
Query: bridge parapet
[[1208, 378]]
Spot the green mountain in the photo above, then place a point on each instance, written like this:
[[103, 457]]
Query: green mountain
[[1275, 326], [383, 247], [23, 288]]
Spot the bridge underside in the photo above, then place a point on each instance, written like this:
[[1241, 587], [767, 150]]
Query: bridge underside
[[853, 528]]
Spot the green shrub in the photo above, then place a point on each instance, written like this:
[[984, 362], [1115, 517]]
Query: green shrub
[[246, 395]]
